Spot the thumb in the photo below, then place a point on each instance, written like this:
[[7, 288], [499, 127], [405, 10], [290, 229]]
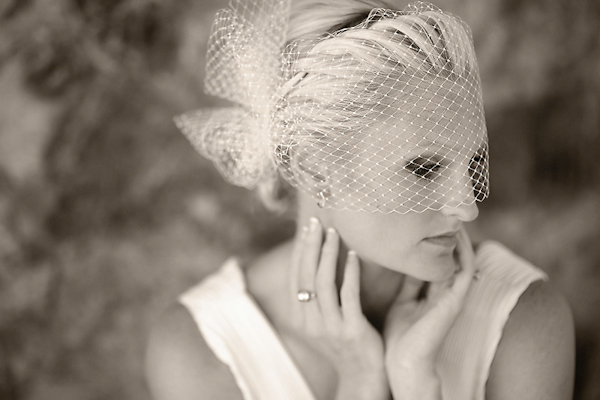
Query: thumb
[[449, 297], [466, 262]]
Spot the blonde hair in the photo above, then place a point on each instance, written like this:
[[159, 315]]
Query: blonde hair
[[315, 17], [385, 52]]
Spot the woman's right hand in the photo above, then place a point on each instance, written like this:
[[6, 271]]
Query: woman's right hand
[[335, 322]]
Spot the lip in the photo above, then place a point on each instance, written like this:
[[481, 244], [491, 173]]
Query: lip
[[448, 239]]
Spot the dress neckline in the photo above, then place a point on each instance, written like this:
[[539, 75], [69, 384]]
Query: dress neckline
[[233, 267]]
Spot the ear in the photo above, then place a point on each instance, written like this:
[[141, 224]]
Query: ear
[[311, 170]]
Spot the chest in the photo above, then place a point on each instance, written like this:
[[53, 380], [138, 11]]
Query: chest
[[318, 372]]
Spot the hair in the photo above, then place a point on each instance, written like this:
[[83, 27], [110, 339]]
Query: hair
[[388, 50], [315, 17]]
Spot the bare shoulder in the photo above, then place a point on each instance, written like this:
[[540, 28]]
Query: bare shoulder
[[536, 356], [179, 363]]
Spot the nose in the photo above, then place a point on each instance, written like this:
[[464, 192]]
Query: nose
[[465, 212], [460, 199]]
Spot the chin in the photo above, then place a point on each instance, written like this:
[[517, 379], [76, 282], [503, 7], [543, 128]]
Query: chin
[[431, 267], [442, 274], [439, 268]]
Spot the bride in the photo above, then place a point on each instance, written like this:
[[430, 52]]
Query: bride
[[370, 122]]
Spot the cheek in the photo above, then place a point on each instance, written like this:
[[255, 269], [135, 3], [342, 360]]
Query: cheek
[[393, 241], [380, 238], [432, 267]]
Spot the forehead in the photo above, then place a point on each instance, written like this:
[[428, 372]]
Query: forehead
[[440, 114]]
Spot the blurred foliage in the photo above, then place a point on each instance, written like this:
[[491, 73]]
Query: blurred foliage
[[107, 214]]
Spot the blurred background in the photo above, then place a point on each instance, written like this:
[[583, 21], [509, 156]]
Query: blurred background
[[107, 214]]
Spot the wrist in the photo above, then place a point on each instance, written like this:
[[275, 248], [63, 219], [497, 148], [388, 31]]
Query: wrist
[[409, 364], [372, 386], [421, 383]]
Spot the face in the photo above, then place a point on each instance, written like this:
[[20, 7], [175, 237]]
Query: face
[[424, 165], [418, 244]]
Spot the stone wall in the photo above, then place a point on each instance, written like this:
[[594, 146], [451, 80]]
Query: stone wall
[[106, 213]]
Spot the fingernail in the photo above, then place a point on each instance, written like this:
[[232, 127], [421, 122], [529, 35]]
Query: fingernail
[[314, 223], [351, 253], [304, 231], [330, 237]]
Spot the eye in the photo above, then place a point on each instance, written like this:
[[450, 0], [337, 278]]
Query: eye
[[477, 163], [477, 168], [423, 167]]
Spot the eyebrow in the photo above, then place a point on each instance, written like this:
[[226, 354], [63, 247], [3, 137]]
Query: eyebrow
[[432, 145], [424, 141], [427, 144]]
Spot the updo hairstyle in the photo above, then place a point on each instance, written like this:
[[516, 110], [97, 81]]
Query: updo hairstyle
[[385, 51]]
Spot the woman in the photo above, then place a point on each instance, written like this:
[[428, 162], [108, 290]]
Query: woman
[[375, 118]]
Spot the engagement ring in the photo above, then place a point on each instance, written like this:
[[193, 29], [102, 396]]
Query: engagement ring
[[304, 296]]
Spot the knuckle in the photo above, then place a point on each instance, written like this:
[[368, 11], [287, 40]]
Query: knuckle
[[348, 292], [349, 334], [324, 278], [322, 285], [296, 322], [334, 331], [314, 331], [327, 253], [315, 238]]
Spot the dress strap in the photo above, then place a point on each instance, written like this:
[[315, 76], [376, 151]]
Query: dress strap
[[239, 334], [470, 347]]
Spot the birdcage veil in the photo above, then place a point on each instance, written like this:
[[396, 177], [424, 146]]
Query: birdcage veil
[[384, 116]]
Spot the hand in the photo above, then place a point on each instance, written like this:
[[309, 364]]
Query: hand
[[336, 323], [416, 328]]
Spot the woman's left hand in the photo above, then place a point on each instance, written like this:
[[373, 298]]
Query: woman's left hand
[[416, 327]]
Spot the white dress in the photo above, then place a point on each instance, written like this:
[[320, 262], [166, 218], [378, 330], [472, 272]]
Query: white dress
[[240, 335]]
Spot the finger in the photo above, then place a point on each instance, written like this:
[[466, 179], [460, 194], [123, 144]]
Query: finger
[[310, 310], [466, 255], [466, 260], [461, 280], [294, 272], [296, 259], [310, 257], [326, 288], [350, 291]]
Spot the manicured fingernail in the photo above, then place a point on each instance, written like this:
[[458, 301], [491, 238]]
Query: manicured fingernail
[[304, 231], [314, 223], [330, 237]]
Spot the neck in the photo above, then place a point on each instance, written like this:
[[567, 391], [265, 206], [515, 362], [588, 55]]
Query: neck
[[379, 286]]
